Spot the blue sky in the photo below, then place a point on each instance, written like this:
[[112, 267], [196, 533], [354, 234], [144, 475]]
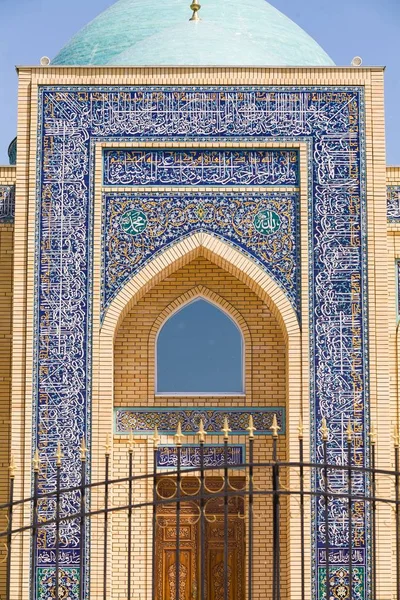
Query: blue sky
[[344, 28]]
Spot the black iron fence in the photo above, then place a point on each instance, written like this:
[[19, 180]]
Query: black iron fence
[[218, 495]]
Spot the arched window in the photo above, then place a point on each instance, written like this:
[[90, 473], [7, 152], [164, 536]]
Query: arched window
[[199, 351]]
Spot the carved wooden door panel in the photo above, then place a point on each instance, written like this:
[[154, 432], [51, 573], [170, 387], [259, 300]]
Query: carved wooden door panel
[[165, 550], [166, 559], [215, 559]]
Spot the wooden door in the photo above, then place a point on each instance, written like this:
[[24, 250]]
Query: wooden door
[[215, 559], [189, 571]]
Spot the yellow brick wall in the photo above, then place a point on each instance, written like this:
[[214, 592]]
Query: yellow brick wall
[[6, 265], [7, 177], [265, 380]]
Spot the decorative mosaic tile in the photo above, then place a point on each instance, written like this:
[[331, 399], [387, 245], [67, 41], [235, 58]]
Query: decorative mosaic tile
[[340, 583], [137, 226], [200, 167], [144, 420], [213, 456], [393, 203], [7, 203], [331, 121]]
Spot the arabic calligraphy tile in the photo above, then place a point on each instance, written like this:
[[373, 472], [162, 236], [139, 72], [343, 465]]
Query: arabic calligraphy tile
[[126, 166], [7, 203]]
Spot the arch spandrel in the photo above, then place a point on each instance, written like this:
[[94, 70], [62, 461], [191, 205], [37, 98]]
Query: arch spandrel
[[217, 251]]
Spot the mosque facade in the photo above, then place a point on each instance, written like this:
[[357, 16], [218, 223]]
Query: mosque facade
[[165, 165]]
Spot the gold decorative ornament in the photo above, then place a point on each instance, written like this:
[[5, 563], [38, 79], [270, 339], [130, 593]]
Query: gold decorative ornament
[[274, 427], [156, 438], [12, 468], [372, 434], [349, 432], [131, 442], [324, 430], [251, 429], [59, 455], [36, 461], [396, 437], [108, 445], [202, 432], [195, 7], [226, 429], [83, 450], [178, 437], [300, 428]]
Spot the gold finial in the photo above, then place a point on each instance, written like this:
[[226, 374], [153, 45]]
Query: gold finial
[[108, 445], [131, 442], [83, 450], [349, 432], [324, 430], [372, 434], [179, 435], [202, 432], [12, 468], [59, 455], [156, 438], [195, 7], [396, 437], [226, 429], [274, 427], [251, 429], [300, 428], [36, 461]]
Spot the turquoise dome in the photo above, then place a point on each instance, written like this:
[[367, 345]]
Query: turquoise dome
[[149, 32]]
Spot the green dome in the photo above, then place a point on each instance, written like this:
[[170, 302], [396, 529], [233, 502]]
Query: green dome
[[147, 32]]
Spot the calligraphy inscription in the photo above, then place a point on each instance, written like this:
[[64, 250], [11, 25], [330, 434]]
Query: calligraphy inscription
[[201, 167], [7, 203], [70, 120], [213, 456], [133, 222], [267, 222]]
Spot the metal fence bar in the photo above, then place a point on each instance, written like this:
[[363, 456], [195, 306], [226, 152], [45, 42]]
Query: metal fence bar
[[178, 442], [276, 514], [350, 506], [373, 521], [156, 441], [251, 430], [10, 524], [82, 522], [203, 575], [302, 533], [325, 433], [130, 513], [106, 512], [226, 431], [397, 492], [58, 501], [36, 466]]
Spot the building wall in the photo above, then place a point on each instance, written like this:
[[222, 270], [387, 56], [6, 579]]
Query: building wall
[[265, 377], [26, 276], [7, 178]]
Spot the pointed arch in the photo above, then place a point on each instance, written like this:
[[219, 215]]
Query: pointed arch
[[221, 254]]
